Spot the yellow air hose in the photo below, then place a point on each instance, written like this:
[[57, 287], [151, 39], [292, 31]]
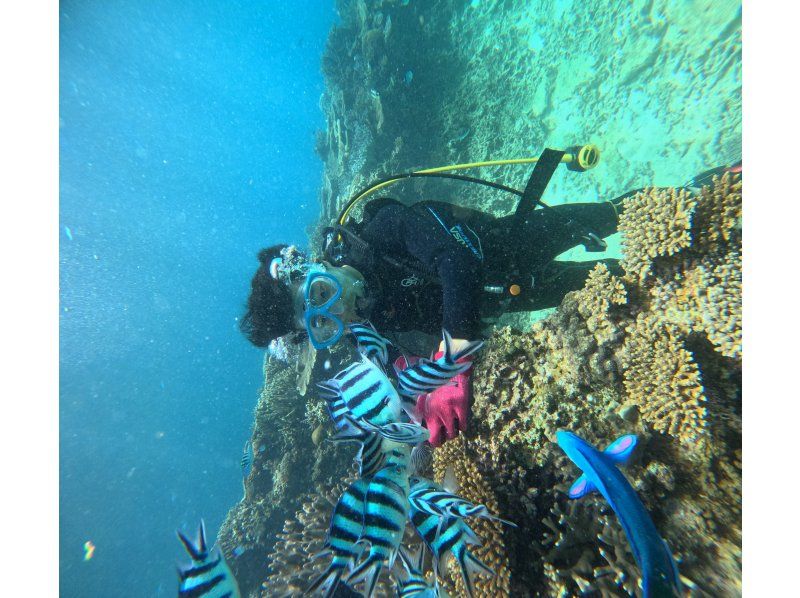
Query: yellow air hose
[[577, 158]]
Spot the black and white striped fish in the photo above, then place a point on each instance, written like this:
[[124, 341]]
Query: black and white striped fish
[[370, 457], [450, 534], [402, 432], [247, 459], [367, 393], [247, 465], [370, 342], [427, 375], [209, 575], [354, 429], [385, 515], [346, 529], [429, 497], [415, 585]]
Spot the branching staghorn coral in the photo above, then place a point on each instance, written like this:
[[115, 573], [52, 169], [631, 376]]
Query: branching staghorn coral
[[655, 223], [663, 379], [601, 293]]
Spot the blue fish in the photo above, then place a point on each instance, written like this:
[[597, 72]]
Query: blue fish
[[209, 575], [385, 514], [346, 529], [659, 572], [427, 375], [408, 77], [415, 585], [369, 342], [366, 392], [68, 232]]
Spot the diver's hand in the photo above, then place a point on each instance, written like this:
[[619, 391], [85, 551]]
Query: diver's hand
[[446, 409]]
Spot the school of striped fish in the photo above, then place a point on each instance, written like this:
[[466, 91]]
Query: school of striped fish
[[368, 523]]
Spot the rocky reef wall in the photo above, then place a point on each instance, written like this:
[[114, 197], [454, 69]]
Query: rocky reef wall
[[656, 85], [657, 352]]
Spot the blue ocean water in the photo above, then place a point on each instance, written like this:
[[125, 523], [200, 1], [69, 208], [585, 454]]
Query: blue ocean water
[[186, 144]]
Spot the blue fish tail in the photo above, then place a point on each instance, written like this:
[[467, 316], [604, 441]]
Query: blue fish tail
[[469, 565], [329, 578], [369, 571]]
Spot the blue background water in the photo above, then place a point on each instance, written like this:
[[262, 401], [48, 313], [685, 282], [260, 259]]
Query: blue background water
[[186, 133]]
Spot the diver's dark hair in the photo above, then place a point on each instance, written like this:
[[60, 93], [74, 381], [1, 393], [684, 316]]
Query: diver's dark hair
[[269, 306]]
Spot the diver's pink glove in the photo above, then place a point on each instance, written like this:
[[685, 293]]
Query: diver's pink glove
[[445, 410]]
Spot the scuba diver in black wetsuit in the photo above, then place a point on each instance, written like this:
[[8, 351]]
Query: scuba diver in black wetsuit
[[431, 266]]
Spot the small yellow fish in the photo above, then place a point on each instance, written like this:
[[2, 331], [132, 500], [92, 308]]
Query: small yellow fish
[[88, 550]]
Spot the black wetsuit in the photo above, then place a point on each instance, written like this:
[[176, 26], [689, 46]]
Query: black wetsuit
[[431, 261]]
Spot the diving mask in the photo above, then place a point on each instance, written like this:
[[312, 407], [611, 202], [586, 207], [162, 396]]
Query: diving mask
[[327, 300]]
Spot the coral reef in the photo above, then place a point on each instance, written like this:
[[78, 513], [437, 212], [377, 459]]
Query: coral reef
[[638, 353], [625, 354], [287, 464], [570, 551], [291, 568], [441, 72], [663, 379], [656, 352], [456, 455], [656, 223], [596, 301]]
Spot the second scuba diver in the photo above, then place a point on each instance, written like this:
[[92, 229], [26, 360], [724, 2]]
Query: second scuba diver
[[427, 267]]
